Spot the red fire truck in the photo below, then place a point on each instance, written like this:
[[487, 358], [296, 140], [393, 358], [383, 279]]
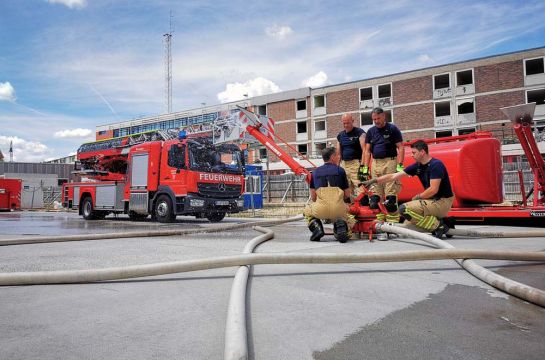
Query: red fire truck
[[159, 173]]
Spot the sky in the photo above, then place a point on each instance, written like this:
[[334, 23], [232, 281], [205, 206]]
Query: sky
[[67, 66]]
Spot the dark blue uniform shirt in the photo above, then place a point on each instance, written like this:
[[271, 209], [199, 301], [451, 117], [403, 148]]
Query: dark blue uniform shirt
[[350, 144], [329, 175], [383, 141], [435, 169]]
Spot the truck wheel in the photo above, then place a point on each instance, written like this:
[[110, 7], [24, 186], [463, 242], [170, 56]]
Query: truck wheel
[[136, 216], [215, 216], [87, 208], [163, 210]]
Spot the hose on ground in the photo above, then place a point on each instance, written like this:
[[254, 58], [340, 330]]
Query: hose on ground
[[117, 273], [496, 234], [139, 234], [236, 339], [509, 286]]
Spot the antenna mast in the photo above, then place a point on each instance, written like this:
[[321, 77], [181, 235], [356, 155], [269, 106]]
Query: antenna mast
[[167, 39]]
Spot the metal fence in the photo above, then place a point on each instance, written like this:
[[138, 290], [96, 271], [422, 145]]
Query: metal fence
[[285, 188]]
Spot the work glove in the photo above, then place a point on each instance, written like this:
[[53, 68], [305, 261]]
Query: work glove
[[399, 168], [363, 173], [368, 183]]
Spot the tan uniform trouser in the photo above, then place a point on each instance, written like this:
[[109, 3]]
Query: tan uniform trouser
[[351, 168], [329, 205], [424, 213], [381, 167]]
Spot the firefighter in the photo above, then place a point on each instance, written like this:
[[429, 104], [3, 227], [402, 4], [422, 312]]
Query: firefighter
[[350, 144], [330, 194], [385, 143], [427, 209]]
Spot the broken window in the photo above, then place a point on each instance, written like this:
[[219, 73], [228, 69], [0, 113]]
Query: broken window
[[365, 119], [466, 131], [263, 153], [534, 66], [384, 91], [302, 149], [301, 127], [262, 109], [537, 96], [466, 107], [441, 81], [464, 77], [442, 108], [301, 105], [366, 93], [440, 134]]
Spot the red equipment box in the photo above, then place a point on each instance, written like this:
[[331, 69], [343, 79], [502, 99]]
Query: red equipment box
[[10, 194]]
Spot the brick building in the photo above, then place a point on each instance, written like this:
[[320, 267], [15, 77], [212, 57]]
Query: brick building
[[451, 99]]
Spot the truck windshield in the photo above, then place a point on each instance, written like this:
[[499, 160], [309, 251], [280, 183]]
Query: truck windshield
[[224, 158]]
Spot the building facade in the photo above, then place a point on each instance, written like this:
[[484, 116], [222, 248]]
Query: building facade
[[451, 99]]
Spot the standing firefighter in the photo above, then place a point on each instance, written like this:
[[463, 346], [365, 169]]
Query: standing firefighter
[[350, 144], [330, 194], [385, 142], [427, 209]]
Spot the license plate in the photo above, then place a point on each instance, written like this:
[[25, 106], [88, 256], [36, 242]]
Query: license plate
[[222, 202]]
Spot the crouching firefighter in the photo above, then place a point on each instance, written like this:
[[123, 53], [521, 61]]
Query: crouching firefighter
[[427, 209], [330, 194]]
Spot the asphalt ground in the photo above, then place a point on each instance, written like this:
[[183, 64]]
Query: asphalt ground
[[412, 310]]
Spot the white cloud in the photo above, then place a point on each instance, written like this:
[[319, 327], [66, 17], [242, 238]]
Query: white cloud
[[72, 133], [255, 87], [72, 4], [278, 32], [23, 150], [424, 58], [7, 92], [316, 80]]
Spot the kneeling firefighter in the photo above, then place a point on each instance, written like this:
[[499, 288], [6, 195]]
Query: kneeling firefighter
[[330, 194]]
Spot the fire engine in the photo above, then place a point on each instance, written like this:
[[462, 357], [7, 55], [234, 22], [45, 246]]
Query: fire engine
[[158, 173]]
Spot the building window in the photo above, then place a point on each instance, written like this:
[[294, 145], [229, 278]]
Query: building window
[[366, 119], [537, 96], [534, 66], [301, 127], [384, 91], [319, 125], [302, 149], [102, 132], [464, 77], [263, 153], [389, 116], [301, 105], [466, 131], [261, 110], [366, 93], [445, 133], [319, 147], [319, 101], [441, 81], [466, 107], [442, 108]]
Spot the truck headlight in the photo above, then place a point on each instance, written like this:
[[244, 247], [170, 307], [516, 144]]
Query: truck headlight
[[240, 203], [196, 202]]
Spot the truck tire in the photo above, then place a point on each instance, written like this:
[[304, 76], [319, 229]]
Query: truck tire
[[163, 211], [215, 216], [87, 210], [136, 216]]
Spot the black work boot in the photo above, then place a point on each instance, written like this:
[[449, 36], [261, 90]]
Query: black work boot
[[450, 222], [441, 230], [340, 231], [317, 229]]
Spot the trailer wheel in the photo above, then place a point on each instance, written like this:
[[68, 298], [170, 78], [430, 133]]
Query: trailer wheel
[[87, 208], [215, 216], [163, 210]]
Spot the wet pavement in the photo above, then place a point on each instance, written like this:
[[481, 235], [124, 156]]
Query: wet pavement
[[413, 310]]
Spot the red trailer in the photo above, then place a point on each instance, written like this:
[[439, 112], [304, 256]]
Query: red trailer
[[10, 194]]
